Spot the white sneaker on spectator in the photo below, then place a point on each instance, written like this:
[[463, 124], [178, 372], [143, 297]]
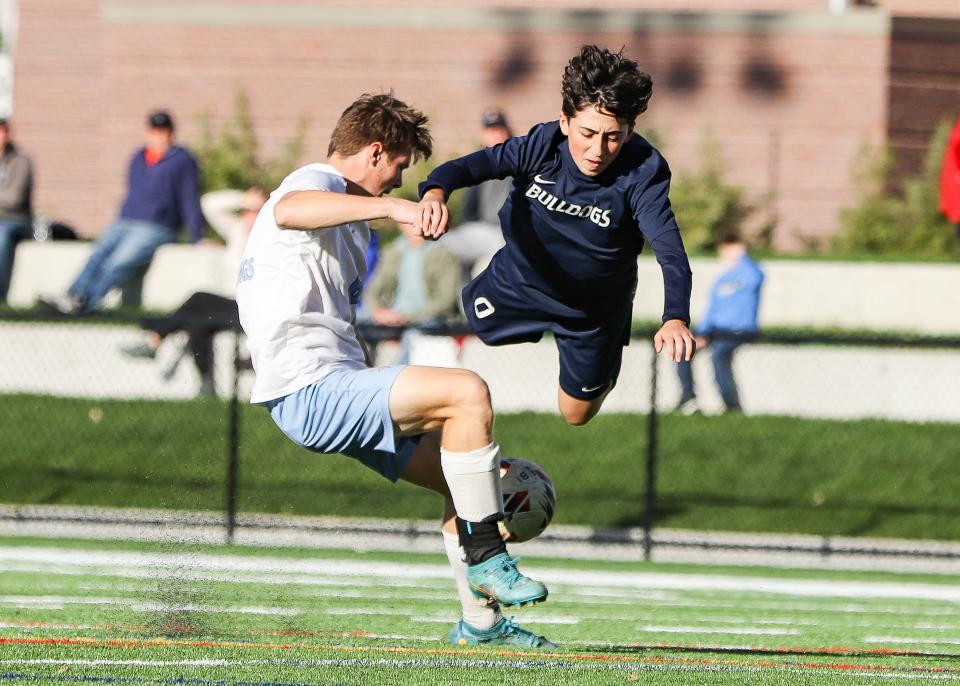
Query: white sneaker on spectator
[[64, 304], [688, 407]]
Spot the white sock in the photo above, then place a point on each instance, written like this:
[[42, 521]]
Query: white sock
[[474, 614], [474, 481]]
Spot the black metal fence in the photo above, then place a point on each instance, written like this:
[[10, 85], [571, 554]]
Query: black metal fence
[[839, 435]]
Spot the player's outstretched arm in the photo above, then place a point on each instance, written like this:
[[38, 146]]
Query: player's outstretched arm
[[676, 337], [433, 217], [309, 210]]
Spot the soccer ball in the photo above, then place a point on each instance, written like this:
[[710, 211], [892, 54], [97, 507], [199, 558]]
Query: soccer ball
[[529, 499]]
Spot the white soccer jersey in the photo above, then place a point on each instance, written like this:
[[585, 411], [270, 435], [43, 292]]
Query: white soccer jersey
[[297, 292]]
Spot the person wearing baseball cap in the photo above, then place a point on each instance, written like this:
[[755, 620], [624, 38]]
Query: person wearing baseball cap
[[163, 195], [478, 235]]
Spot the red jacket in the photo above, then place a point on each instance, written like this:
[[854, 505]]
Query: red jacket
[[950, 177]]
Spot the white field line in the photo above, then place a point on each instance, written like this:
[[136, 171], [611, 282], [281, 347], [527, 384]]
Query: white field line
[[41, 601], [735, 630], [414, 663], [527, 619], [46, 626], [442, 617], [129, 663], [821, 623], [57, 602], [419, 663], [178, 607], [586, 595], [747, 603], [411, 571]]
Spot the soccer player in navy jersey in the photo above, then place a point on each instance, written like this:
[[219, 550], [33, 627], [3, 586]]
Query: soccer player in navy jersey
[[587, 193]]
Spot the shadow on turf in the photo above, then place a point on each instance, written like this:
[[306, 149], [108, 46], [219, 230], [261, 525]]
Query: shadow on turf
[[865, 516]]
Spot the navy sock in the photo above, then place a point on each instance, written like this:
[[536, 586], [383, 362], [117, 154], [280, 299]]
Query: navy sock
[[481, 540]]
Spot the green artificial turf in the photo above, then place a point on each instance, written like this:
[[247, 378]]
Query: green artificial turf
[[111, 612]]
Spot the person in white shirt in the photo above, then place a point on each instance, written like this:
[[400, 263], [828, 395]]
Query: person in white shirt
[[299, 285], [203, 315]]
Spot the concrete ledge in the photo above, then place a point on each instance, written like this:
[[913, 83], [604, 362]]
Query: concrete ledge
[[176, 271], [915, 298]]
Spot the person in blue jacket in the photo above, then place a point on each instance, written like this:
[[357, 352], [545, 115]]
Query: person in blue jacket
[[163, 194], [588, 192], [730, 320]]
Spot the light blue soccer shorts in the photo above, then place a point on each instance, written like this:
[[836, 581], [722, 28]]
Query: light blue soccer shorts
[[348, 412]]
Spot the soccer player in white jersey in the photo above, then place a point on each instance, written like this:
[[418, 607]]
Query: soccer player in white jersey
[[298, 287]]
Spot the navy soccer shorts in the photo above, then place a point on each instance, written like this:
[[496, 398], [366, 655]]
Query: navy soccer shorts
[[591, 349]]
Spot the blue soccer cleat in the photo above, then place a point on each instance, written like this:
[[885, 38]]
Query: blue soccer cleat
[[499, 580], [504, 632]]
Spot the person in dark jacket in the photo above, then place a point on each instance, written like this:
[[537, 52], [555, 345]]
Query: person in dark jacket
[[163, 194], [16, 189]]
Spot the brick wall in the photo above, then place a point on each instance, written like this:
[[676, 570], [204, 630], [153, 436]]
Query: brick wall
[[924, 85], [789, 97]]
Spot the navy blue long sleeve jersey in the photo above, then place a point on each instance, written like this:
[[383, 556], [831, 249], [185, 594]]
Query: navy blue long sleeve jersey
[[166, 193], [575, 238]]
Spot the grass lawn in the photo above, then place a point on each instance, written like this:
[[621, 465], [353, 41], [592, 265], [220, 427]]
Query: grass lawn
[[735, 473]]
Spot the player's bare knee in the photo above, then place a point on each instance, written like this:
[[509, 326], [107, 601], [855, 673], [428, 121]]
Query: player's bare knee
[[473, 398], [577, 416]]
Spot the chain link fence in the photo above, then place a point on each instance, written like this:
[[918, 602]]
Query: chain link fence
[[840, 436]]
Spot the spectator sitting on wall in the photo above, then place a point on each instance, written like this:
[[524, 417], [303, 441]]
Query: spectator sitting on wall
[[416, 282], [950, 179], [478, 236], [731, 317], [231, 213], [16, 189], [162, 194]]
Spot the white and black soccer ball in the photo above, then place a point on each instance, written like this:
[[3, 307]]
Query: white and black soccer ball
[[529, 499]]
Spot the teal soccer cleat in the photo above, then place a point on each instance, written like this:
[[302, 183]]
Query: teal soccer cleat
[[504, 632], [498, 579]]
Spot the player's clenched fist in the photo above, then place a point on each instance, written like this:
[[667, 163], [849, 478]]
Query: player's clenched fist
[[403, 211], [433, 217]]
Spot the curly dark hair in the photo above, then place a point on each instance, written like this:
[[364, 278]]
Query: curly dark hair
[[608, 80], [381, 117]]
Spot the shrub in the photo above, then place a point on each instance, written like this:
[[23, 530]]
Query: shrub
[[230, 157], [904, 222], [705, 204]]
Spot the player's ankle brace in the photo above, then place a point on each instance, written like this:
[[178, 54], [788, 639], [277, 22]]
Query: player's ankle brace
[[481, 540]]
